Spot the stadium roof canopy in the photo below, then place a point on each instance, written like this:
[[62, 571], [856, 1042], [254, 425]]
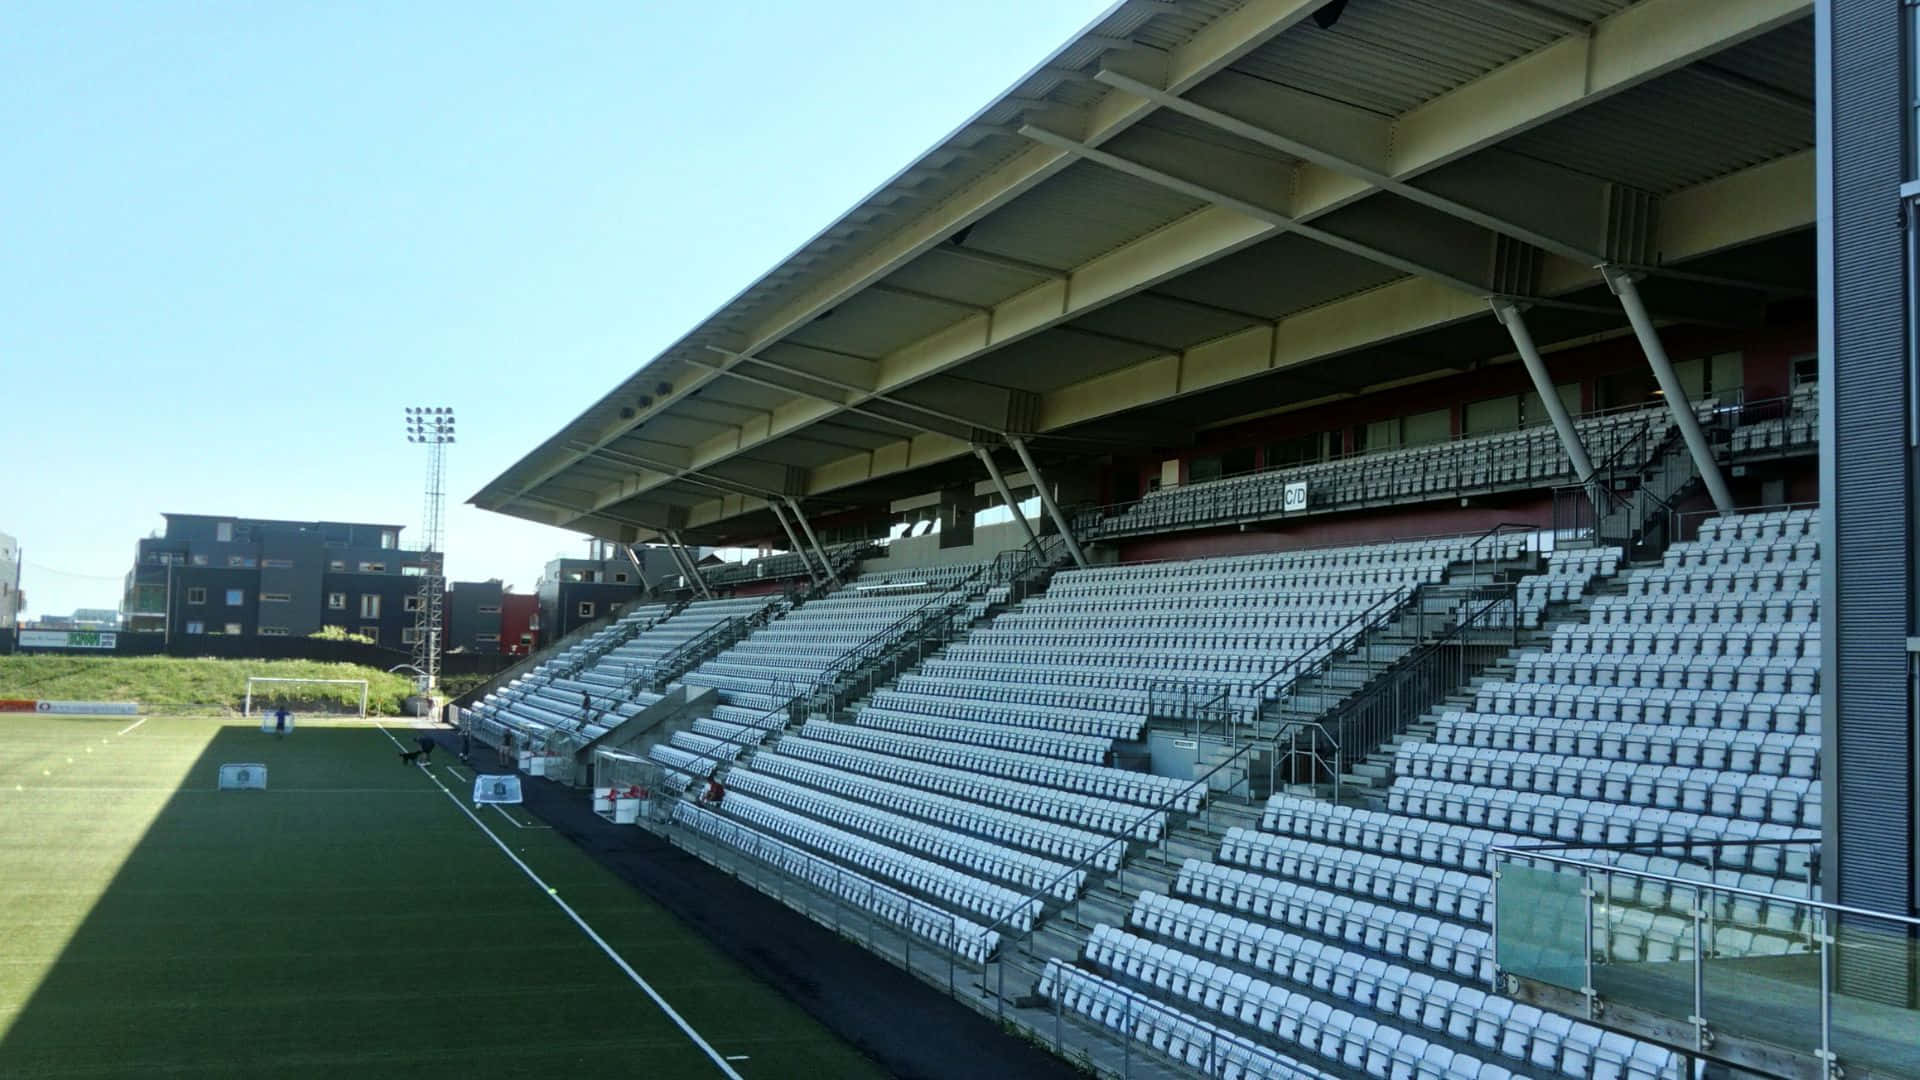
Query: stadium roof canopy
[[1203, 209]]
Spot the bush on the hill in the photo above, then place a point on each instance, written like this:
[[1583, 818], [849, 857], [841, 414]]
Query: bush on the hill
[[172, 682], [340, 633]]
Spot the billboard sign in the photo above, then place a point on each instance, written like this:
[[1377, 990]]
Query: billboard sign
[[69, 639]]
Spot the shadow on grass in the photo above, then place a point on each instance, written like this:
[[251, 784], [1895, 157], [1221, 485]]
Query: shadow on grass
[[332, 922]]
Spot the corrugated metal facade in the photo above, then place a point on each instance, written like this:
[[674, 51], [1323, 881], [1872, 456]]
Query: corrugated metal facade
[[1870, 582]]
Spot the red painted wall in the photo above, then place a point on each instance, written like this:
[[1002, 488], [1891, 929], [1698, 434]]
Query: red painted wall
[[516, 612]]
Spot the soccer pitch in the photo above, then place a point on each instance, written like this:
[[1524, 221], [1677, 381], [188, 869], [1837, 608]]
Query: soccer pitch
[[349, 920]]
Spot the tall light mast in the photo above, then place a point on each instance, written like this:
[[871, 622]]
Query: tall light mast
[[431, 426]]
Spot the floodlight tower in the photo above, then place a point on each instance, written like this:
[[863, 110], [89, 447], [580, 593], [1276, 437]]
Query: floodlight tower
[[431, 426]]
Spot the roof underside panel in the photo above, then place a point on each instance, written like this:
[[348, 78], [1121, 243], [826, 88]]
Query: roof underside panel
[[1392, 55], [1079, 215]]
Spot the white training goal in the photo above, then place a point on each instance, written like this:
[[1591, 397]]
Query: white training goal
[[310, 697]]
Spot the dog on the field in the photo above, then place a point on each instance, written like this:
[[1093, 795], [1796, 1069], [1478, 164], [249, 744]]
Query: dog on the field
[[425, 753]]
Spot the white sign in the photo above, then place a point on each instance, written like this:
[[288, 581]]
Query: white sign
[[1293, 497], [89, 708], [240, 777], [69, 639], [496, 789]]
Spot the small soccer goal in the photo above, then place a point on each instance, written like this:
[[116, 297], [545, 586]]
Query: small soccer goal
[[306, 698]]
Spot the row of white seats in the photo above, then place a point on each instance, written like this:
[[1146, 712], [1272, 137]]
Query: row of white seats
[[1389, 553], [1124, 784], [1771, 525], [1031, 872], [1457, 847], [1784, 800], [1041, 741], [1774, 607], [1549, 1042], [1748, 674], [944, 883], [1122, 619], [1739, 710], [679, 768], [1377, 928], [1707, 639], [1656, 582], [1577, 820], [1047, 837], [1453, 894], [1110, 816], [1199, 1045], [1067, 589], [1125, 704], [937, 925], [1776, 753], [1031, 716], [1734, 553]]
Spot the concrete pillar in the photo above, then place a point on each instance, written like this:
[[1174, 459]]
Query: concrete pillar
[[793, 538], [687, 566], [1621, 282], [1006, 494], [826, 564], [1510, 316], [1046, 500]]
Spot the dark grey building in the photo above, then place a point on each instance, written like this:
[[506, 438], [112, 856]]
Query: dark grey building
[[233, 576], [1867, 54], [473, 616], [576, 591]]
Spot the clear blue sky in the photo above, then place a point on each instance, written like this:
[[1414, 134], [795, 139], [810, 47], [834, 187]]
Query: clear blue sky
[[236, 238]]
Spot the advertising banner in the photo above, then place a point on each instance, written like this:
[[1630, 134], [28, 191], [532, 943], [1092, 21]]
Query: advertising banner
[[69, 639]]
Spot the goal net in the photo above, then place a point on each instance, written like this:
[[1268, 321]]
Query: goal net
[[304, 697]]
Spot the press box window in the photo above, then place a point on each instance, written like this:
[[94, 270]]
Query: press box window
[[586, 609], [196, 595]]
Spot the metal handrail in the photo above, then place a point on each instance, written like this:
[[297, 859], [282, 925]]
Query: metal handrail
[[1506, 593], [1125, 836]]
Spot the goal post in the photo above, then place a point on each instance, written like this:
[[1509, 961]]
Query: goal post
[[343, 697]]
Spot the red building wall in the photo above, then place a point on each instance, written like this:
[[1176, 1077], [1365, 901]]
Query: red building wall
[[517, 613]]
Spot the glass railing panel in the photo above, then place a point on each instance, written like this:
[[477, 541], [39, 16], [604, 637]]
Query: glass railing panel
[[1541, 913], [1874, 972]]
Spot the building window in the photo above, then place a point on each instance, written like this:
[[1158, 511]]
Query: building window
[[274, 598], [411, 603], [336, 565], [235, 628], [223, 532], [371, 633], [413, 571], [586, 609], [369, 605], [409, 635], [195, 626], [236, 597], [273, 631], [487, 637], [533, 621], [199, 560], [373, 568], [620, 577], [196, 595], [277, 564], [1806, 371], [389, 538], [336, 601], [489, 611]]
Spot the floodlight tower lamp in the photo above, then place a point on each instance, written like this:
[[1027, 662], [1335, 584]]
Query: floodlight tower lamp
[[431, 426]]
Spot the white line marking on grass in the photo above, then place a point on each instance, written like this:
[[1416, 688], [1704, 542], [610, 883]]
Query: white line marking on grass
[[736, 1057], [618, 960], [131, 726]]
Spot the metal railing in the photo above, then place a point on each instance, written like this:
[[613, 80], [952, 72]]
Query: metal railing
[[1732, 972], [1486, 628]]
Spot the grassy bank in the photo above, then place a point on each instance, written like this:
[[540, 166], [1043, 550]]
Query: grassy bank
[[170, 683]]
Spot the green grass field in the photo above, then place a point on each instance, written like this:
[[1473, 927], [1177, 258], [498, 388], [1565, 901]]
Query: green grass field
[[171, 682], [350, 920]]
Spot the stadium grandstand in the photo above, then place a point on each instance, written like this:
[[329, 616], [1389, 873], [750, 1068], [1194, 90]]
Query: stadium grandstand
[[1314, 539]]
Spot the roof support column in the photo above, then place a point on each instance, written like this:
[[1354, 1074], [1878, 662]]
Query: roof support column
[[793, 538], [645, 585], [1046, 500], [1510, 316], [826, 564], [1000, 484], [1622, 284], [687, 565]]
